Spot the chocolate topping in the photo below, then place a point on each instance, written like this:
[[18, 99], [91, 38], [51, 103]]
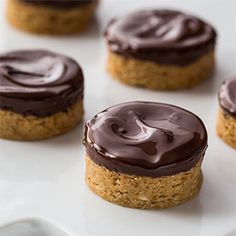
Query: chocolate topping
[[227, 96], [162, 36], [146, 139], [60, 3], [38, 82]]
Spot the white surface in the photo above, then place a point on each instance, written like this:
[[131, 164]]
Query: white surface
[[31, 227], [46, 179]]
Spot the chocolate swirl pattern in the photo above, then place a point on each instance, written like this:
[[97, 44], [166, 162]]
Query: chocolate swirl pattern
[[227, 96], [144, 138], [162, 36], [38, 82]]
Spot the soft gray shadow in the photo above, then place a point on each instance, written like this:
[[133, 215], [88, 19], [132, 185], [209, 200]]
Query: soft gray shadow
[[99, 213], [210, 86], [72, 138], [207, 88], [190, 209], [92, 31], [31, 227], [42, 155], [214, 197], [231, 233]]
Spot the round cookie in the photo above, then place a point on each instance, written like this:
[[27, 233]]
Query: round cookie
[[145, 154], [51, 17], [160, 49], [41, 94], [226, 123]]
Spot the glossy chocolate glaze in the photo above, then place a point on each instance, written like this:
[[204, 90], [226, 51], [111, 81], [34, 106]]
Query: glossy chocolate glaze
[[162, 36], [39, 82], [227, 96], [146, 139], [60, 3]]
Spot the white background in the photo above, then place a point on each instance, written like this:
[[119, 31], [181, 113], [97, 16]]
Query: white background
[[46, 179]]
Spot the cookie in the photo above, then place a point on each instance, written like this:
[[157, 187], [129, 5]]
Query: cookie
[[51, 17], [145, 154], [160, 49], [41, 94], [226, 123]]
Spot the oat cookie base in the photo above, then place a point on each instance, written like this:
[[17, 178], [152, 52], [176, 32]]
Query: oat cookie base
[[48, 20], [143, 192], [226, 128], [18, 127], [156, 76]]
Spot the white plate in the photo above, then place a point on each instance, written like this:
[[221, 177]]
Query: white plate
[[31, 227], [46, 179]]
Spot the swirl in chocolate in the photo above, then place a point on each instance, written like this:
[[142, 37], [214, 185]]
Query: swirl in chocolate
[[162, 36], [60, 3], [227, 96], [146, 139], [38, 82]]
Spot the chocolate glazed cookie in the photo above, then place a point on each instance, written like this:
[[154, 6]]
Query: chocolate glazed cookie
[[41, 94], [167, 49], [51, 17], [226, 124], [145, 154]]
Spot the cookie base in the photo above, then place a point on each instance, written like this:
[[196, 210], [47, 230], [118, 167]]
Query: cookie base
[[143, 192], [226, 128], [49, 20], [18, 127], [156, 76]]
